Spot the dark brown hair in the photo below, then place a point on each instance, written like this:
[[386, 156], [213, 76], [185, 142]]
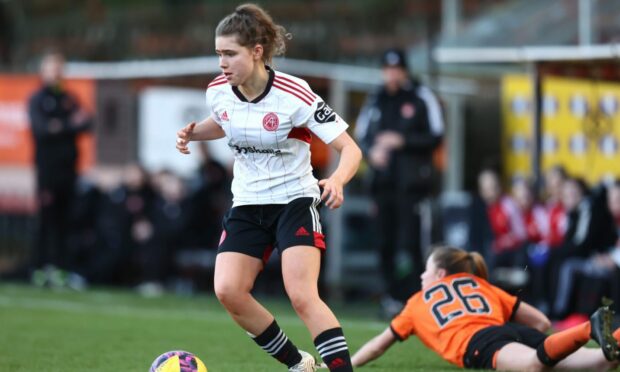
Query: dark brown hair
[[455, 260], [252, 25]]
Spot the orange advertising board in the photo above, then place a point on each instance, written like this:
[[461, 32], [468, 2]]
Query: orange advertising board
[[16, 144]]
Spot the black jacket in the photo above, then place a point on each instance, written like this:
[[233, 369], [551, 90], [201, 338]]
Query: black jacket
[[590, 227], [55, 150], [415, 113]]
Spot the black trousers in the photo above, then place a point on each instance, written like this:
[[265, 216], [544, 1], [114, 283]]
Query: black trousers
[[399, 231], [53, 225]]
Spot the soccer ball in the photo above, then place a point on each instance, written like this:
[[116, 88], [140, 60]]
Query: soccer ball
[[178, 361]]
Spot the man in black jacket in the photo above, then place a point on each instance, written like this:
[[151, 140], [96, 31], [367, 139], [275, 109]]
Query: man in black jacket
[[398, 130], [56, 120]]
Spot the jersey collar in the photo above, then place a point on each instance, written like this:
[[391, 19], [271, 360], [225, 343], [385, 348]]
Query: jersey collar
[[265, 92]]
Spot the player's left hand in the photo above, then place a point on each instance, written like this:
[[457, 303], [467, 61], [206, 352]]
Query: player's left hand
[[333, 194]]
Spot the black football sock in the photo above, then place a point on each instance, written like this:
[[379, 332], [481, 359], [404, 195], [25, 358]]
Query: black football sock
[[275, 343], [333, 349]]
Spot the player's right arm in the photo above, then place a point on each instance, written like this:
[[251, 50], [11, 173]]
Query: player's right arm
[[374, 348], [528, 315], [205, 130]]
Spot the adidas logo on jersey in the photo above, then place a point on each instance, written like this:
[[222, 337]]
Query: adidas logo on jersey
[[224, 116], [302, 232]]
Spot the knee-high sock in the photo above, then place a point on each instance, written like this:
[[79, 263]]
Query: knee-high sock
[[559, 345], [334, 351], [275, 343]]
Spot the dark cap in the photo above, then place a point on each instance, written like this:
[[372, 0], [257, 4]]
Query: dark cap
[[394, 58]]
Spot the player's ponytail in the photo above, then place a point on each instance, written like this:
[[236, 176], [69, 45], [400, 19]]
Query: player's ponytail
[[481, 269], [252, 25], [455, 260]]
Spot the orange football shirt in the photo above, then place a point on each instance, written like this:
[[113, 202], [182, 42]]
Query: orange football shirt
[[450, 311]]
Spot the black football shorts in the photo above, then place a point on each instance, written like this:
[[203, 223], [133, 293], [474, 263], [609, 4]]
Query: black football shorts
[[488, 341], [256, 230]]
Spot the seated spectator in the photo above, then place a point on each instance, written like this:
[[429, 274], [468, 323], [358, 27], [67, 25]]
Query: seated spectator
[[542, 281], [533, 216], [600, 264], [557, 223], [495, 230], [170, 216], [134, 203], [96, 236], [535, 221]]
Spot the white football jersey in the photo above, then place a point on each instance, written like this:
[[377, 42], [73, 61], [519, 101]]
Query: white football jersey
[[270, 137]]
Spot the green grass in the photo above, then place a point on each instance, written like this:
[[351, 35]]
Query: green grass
[[117, 331]]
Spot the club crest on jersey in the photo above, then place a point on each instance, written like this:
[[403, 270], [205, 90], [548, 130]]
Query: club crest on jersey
[[324, 113], [407, 110], [271, 122]]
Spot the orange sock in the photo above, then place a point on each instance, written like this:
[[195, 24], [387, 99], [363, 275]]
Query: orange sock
[[559, 345]]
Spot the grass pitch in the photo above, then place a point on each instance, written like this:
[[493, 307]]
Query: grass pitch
[[117, 331]]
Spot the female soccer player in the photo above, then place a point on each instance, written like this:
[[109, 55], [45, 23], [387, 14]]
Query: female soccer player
[[474, 324], [268, 118]]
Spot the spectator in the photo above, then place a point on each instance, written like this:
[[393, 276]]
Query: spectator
[[533, 216], [539, 255], [554, 180], [134, 201], [578, 209], [170, 220], [96, 235], [587, 220], [398, 129], [496, 230], [56, 120], [600, 240], [534, 221]]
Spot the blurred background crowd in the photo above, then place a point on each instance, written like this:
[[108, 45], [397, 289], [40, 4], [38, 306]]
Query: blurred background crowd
[[522, 148], [560, 248]]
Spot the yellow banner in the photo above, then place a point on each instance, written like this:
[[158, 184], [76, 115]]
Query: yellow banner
[[580, 127]]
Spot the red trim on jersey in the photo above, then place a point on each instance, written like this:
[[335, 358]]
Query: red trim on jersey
[[319, 240], [217, 81], [267, 254], [276, 84], [214, 84], [296, 88], [297, 85], [302, 134]]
